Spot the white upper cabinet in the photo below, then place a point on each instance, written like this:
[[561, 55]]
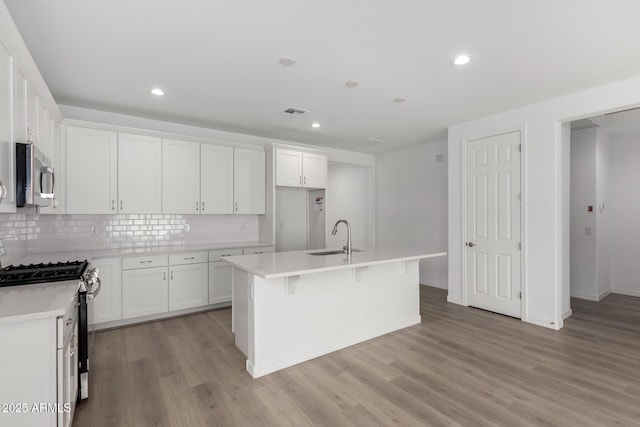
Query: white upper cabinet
[[289, 168], [139, 174], [7, 146], [299, 169], [216, 179], [249, 181], [20, 107], [180, 177], [92, 171], [32, 116], [314, 170]]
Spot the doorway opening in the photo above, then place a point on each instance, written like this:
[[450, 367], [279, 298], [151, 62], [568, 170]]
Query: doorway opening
[[604, 208]]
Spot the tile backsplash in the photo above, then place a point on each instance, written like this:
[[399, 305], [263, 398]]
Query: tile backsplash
[[25, 233]]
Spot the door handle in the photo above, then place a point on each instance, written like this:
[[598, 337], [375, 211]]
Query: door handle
[[470, 244]]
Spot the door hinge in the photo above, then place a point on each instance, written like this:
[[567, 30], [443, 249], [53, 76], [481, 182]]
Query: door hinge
[[520, 245]]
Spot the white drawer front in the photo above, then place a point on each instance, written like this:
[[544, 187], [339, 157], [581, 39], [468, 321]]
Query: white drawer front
[[147, 261], [218, 253], [188, 258], [258, 250]]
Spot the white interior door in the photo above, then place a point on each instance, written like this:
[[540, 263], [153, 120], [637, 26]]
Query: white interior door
[[493, 237]]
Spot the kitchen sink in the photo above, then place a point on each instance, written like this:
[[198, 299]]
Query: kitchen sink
[[333, 252]]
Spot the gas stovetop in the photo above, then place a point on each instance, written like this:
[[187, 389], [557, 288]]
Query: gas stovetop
[[40, 273]]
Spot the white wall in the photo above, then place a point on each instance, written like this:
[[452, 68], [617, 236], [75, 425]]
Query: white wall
[[583, 222], [624, 212], [544, 191], [411, 188], [349, 196], [602, 213]]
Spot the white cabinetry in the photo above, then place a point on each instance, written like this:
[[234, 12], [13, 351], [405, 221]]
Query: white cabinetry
[[300, 169], [216, 179], [248, 181], [220, 275], [92, 171], [180, 177], [139, 174], [7, 145], [107, 305], [145, 291], [188, 279], [21, 133]]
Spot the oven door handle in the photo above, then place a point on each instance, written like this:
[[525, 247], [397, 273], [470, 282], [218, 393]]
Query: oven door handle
[[94, 293]]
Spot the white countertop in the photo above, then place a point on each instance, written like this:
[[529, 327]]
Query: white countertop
[[27, 302], [34, 258], [284, 264]]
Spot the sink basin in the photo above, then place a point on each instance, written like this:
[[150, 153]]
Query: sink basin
[[333, 252]]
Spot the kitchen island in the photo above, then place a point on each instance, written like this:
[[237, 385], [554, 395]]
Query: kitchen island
[[289, 307]]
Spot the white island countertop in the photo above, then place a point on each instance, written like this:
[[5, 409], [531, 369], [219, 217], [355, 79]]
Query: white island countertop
[[285, 264]]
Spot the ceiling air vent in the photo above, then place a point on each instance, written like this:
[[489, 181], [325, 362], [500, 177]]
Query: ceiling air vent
[[294, 112], [583, 124]]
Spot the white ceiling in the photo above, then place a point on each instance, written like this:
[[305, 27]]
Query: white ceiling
[[218, 60]]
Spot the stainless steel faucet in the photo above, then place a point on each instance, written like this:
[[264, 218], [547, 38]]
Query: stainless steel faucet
[[335, 230]]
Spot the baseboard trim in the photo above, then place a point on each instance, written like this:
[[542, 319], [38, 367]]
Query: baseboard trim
[[628, 292], [435, 285], [581, 295], [604, 294], [543, 323], [567, 314], [454, 300]]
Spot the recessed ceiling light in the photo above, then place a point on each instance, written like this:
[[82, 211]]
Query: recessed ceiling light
[[399, 99], [315, 125], [287, 61], [157, 91], [352, 83], [462, 59]]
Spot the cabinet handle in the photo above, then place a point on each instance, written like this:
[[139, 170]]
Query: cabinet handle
[[164, 276], [236, 206], [202, 206], [225, 255], [120, 204], [113, 205], [145, 262], [197, 204], [305, 180], [172, 275], [191, 257], [259, 252], [300, 180]]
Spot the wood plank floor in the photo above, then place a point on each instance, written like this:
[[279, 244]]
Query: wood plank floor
[[460, 366]]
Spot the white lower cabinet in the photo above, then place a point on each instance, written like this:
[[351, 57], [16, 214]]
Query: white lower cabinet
[[188, 286], [145, 291], [107, 305], [220, 282]]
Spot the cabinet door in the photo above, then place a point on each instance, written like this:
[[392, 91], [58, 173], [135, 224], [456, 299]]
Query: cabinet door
[[7, 145], [32, 115], [92, 179], [288, 168], [20, 106], [314, 170], [107, 305], [139, 174], [248, 181], [188, 286], [220, 282], [42, 141], [216, 179], [144, 292], [180, 177]]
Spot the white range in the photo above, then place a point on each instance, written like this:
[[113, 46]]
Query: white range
[[289, 307]]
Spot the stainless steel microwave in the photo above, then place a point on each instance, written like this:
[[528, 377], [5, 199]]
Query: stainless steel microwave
[[35, 178]]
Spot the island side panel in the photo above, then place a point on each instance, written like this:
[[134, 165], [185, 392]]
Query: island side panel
[[303, 317], [240, 309]]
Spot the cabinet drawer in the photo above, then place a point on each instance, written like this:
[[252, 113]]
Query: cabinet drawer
[[188, 258], [258, 250], [131, 263], [218, 253]]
